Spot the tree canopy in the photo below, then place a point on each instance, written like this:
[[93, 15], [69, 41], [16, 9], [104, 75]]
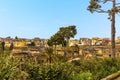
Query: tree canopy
[[62, 36]]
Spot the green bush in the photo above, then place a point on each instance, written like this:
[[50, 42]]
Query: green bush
[[54, 71], [9, 68], [99, 68], [81, 76], [93, 69]]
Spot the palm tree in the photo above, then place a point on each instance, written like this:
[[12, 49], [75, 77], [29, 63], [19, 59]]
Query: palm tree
[[49, 52]]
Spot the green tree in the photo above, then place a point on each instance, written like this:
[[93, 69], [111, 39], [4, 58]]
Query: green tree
[[49, 51], [16, 37], [96, 6], [3, 45], [55, 40], [11, 46], [68, 32], [62, 36]]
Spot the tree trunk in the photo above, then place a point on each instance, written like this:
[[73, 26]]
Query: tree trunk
[[113, 31], [55, 49], [64, 49], [50, 59]]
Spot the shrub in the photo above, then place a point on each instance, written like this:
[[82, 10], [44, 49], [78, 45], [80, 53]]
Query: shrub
[[81, 76], [99, 68], [54, 71], [9, 69]]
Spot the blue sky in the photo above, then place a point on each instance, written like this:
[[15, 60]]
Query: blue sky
[[43, 18]]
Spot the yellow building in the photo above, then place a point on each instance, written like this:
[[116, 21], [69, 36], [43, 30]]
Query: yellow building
[[20, 44], [118, 40], [7, 44], [73, 42], [94, 41]]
